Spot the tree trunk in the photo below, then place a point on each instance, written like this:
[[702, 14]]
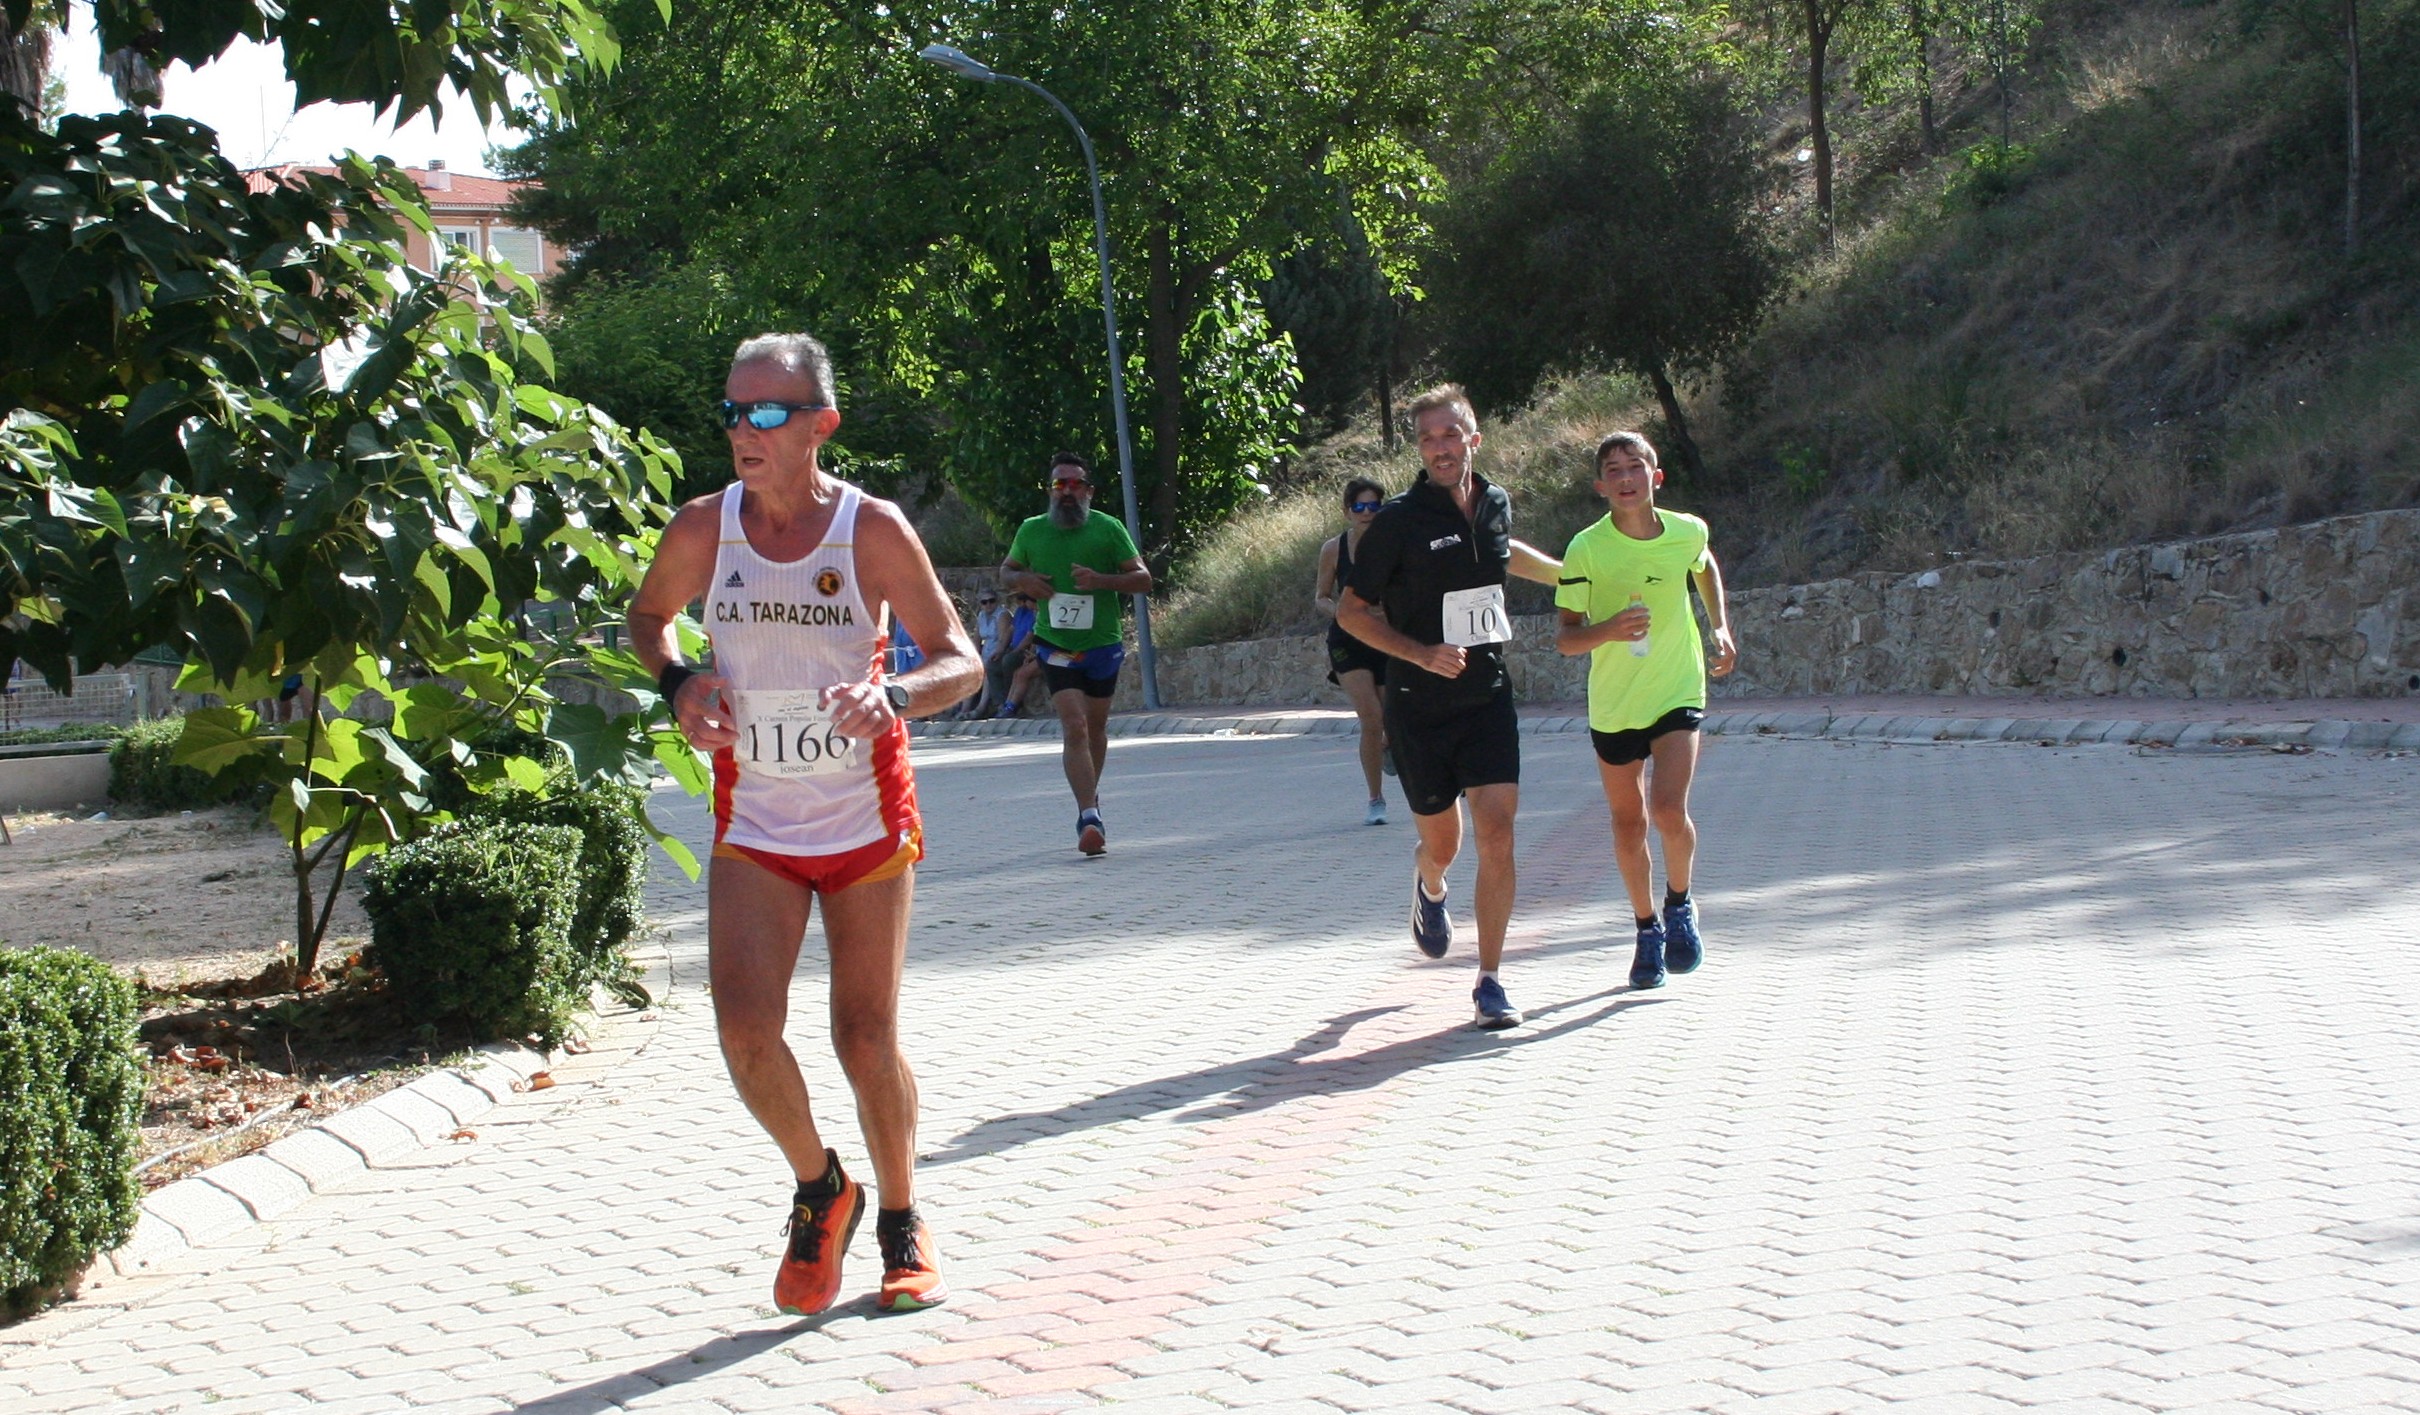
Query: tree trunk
[[2352, 126], [24, 64], [1921, 28], [1684, 447], [1386, 374], [1819, 42], [1164, 364]]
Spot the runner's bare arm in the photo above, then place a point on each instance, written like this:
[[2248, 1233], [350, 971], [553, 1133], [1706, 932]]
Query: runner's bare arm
[[1367, 622], [1321, 600], [1016, 579], [1574, 635], [1133, 577], [1534, 565], [680, 575], [1722, 654], [893, 569]]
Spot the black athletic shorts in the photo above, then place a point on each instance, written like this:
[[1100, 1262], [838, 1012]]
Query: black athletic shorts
[[1346, 653], [1631, 743], [1092, 672], [1441, 754]]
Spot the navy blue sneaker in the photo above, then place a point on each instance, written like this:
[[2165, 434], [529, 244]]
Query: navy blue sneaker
[[1647, 965], [1091, 836], [1496, 1011], [1432, 927], [1683, 949]]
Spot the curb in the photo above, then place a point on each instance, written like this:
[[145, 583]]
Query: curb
[[210, 1206], [2330, 734]]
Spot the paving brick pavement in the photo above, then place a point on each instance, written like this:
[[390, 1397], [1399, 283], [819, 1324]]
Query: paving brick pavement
[[2072, 1078]]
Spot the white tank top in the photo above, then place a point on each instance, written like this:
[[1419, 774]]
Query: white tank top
[[783, 629]]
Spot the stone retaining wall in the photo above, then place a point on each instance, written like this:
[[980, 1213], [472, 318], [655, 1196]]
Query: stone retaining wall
[[2325, 610]]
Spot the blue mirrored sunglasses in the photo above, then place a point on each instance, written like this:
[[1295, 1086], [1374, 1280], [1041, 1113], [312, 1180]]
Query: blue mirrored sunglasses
[[766, 416], [1362, 506]]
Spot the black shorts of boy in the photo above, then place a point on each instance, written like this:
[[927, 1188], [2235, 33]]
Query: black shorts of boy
[[1346, 653], [1092, 672], [1442, 752], [1633, 744]]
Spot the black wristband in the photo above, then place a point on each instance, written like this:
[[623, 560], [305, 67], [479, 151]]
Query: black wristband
[[670, 680]]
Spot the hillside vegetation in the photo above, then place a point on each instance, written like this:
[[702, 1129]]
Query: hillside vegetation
[[2138, 322]]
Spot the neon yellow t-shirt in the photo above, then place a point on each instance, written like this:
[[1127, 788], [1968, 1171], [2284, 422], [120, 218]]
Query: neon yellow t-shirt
[[1602, 570]]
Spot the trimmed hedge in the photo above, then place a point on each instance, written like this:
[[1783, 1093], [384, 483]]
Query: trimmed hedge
[[612, 868], [473, 925], [71, 1111], [142, 771]]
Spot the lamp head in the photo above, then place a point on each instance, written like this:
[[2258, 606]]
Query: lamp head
[[958, 62]]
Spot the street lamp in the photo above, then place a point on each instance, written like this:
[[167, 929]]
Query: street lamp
[[966, 66]]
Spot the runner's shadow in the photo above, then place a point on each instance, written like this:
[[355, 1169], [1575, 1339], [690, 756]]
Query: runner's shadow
[[1256, 1083], [613, 1392]]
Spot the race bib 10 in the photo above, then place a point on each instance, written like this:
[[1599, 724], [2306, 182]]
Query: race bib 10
[[1071, 611], [1474, 617], [789, 734]]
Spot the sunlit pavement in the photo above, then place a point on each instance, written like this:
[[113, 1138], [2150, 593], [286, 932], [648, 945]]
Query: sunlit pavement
[[2076, 1078]]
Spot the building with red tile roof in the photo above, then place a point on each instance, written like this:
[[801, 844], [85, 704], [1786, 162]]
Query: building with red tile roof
[[469, 210]]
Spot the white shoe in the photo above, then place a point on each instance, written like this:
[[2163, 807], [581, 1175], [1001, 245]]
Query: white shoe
[[1377, 815]]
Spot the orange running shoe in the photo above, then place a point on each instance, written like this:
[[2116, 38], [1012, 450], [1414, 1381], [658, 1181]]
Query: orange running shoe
[[822, 1221], [911, 1276]]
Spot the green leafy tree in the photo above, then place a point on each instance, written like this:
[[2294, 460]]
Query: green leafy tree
[[240, 425], [1630, 234], [938, 233]]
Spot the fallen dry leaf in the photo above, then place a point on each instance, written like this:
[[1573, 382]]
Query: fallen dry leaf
[[542, 1081], [464, 1134]]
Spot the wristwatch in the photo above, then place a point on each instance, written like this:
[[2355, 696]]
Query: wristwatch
[[899, 696]]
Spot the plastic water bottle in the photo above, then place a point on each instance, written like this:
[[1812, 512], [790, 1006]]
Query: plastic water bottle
[[1638, 646]]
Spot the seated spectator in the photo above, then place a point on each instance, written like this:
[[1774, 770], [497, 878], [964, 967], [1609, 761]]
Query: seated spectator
[[1015, 667]]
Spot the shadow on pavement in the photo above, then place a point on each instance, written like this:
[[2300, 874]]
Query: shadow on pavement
[[1260, 1082], [610, 1394]]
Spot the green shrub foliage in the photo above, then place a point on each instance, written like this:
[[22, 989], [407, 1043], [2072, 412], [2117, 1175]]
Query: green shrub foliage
[[612, 866], [473, 926], [71, 1107], [143, 771]]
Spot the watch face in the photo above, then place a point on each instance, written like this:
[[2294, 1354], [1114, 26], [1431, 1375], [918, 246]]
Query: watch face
[[898, 696]]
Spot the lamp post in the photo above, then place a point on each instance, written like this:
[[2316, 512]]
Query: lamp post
[[966, 66]]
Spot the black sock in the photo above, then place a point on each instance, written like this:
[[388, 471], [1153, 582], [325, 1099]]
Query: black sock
[[895, 1220], [1646, 923], [825, 1185], [1675, 898]]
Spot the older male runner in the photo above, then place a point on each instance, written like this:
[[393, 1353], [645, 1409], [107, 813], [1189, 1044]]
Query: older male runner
[[1428, 590], [800, 575], [1076, 562]]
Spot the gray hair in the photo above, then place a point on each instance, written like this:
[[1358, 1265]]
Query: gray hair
[[801, 354]]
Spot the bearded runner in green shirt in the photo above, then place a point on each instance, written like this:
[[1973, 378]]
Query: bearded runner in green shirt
[[1075, 562], [1624, 600]]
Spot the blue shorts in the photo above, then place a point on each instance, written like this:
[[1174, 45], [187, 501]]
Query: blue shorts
[[1092, 672]]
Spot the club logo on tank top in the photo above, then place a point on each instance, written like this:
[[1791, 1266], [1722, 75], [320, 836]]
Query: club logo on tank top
[[827, 583]]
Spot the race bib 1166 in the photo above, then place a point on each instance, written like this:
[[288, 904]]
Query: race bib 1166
[[1071, 611], [789, 734], [1474, 617]]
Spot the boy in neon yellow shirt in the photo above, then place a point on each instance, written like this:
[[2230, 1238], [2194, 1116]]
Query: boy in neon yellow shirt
[[1624, 600]]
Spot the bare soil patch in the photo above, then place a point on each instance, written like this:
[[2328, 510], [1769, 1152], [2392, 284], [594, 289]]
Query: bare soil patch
[[198, 909]]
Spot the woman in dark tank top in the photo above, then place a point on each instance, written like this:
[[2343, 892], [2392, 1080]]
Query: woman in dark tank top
[[1353, 665]]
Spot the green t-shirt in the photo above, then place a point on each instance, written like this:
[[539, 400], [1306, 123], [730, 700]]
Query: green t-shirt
[[1071, 618], [1602, 571]]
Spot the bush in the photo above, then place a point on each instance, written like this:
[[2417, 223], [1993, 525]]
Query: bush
[[612, 868], [1989, 172], [473, 925], [72, 732], [71, 1108], [143, 771]]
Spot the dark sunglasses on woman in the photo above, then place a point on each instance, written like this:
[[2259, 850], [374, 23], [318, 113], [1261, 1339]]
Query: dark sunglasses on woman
[[764, 417], [1364, 507]]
